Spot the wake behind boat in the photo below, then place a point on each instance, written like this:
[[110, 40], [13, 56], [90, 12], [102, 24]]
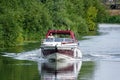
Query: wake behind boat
[[60, 45]]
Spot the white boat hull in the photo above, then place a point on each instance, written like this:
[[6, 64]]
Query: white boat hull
[[61, 53]]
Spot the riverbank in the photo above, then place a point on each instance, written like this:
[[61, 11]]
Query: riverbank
[[114, 12]]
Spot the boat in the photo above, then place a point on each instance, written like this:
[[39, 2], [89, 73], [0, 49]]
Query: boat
[[60, 45]]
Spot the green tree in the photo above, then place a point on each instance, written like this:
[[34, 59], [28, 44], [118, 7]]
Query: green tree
[[58, 12], [1, 37], [75, 11], [102, 13], [29, 20], [12, 30], [37, 19], [91, 18], [76, 7]]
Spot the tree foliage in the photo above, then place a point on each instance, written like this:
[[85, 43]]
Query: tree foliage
[[91, 18], [29, 20]]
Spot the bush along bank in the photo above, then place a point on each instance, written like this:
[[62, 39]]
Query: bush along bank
[[29, 20]]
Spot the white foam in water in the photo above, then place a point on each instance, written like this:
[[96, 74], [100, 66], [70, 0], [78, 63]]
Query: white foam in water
[[34, 55], [9, 54], [106, 57]]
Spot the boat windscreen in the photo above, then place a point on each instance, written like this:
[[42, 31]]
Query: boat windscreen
[[69, 40], [49, 40], [59, 39]]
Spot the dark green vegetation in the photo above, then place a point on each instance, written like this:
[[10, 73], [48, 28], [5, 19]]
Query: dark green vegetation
[[113, 19], [29, 20]]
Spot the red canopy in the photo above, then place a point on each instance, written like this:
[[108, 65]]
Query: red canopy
[[67, 32]]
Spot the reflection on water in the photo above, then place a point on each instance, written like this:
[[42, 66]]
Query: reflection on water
[[12, 69], [87, 70], [59, 70]]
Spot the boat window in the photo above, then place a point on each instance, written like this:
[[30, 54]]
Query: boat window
[[49, 40], [69, 40], [58, 39]]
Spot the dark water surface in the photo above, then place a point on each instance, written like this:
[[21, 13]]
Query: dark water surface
[[101, 60]]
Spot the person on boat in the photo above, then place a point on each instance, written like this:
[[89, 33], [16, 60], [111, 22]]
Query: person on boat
[[51, 36]]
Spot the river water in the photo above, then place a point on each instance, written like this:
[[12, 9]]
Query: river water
[[101, 60]]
